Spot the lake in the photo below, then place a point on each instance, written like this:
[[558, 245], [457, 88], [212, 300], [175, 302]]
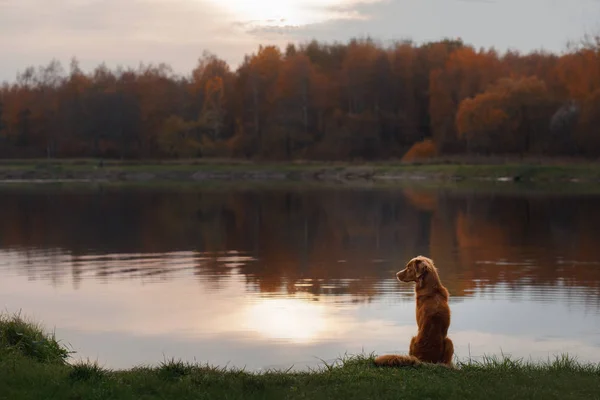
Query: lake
[[287, 276]]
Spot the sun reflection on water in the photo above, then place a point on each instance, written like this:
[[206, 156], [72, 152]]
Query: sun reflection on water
[[291, 319]]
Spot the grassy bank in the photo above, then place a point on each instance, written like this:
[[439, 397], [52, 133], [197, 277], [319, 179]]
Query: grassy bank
[[27, 375], [525, 170]]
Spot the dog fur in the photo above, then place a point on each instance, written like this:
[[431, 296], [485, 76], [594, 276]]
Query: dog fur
[[431, 344]]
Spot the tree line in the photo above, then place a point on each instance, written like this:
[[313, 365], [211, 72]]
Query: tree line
[[357, 100]]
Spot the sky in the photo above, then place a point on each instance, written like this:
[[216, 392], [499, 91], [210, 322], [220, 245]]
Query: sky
[[177, 32]]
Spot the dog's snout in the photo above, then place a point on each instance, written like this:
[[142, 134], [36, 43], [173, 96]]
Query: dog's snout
[[400, 274]]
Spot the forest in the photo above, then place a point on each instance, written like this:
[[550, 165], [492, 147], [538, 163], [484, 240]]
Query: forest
[[358, 100]]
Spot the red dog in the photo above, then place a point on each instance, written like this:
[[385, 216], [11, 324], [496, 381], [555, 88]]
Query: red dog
[[431, 345]]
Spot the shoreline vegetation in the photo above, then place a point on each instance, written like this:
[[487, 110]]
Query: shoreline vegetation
[[359, 99], [33, 365], [202, 170]]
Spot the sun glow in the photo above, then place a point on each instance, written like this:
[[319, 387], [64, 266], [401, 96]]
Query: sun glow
[[280, 12]]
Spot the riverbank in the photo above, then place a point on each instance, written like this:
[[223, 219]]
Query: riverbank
[[34, 365], [231, 170]]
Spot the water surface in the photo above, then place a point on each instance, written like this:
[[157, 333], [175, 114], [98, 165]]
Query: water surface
[[275, 277]]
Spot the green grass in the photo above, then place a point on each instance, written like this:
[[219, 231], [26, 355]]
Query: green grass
[[474, 169], [487, 187], [26, 338], [87, 371], [350, 378], [26, 375]]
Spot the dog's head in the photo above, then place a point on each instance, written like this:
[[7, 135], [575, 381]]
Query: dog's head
[[415, 269]]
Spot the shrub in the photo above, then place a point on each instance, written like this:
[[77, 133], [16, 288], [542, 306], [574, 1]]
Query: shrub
[[420, 151], [28, 339]]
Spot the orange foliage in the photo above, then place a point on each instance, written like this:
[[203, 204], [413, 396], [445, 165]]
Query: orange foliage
[[466, 73], [340, 101], [506, 116], [589, 122], [579, 73], [421, 200], [420, 151]]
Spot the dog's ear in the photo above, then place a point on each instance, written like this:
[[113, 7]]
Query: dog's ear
[[420, 268]]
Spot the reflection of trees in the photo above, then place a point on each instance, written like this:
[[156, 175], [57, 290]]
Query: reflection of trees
[[486, 240], [320, 241]]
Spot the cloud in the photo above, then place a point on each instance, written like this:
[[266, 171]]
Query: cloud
[[117, 32], [427, 20], [112, 18], [322, 15], [32, 32]]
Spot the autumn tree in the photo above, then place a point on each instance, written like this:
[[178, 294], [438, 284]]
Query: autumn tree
[[585, 135], [578, 73], [295, 93], [257, 84], [178, 138], [429, 57], [466, 73], [404, 99], [158, 94], [213, 109], [75, 113], [2, 124], [327, 58], [331, 101], [510, 117], [212, 91]]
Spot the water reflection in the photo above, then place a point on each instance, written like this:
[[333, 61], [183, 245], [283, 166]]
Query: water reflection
[[279, 277], [293, 319]]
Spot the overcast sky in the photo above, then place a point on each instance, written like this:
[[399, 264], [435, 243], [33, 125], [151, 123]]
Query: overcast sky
[[126, 32]]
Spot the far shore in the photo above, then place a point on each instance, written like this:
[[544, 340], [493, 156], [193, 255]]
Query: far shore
[[199, 170]]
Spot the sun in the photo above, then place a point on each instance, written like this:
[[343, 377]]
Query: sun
[[278, 12]]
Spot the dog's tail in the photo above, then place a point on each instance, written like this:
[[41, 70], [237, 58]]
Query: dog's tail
[[393, 360]]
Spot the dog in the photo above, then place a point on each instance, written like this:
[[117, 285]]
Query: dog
[[431, 344]]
